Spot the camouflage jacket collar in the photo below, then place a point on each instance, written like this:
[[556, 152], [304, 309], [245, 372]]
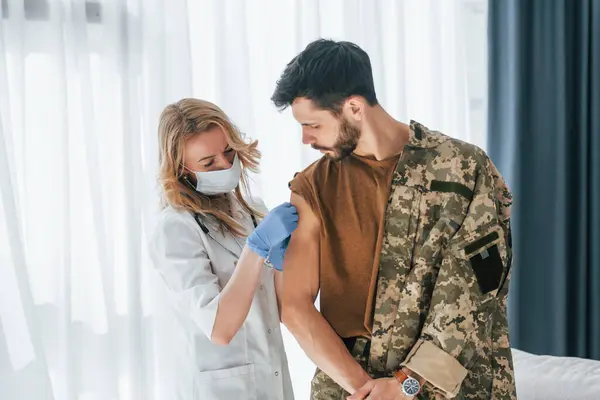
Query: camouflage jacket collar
[[422, 137]]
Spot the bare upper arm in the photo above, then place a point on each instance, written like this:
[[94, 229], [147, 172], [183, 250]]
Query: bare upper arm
[[301, 263], [278, 281]]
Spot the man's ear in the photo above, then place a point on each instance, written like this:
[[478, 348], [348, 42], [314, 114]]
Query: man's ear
[[354, 108]]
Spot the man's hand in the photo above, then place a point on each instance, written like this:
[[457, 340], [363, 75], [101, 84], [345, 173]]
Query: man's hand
[[380, 389]]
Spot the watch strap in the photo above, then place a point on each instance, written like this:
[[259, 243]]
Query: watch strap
[[400, 376]]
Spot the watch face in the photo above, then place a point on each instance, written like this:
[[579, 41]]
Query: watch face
[[411, 387]]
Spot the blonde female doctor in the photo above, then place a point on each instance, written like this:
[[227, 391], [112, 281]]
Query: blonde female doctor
[[210, 247]]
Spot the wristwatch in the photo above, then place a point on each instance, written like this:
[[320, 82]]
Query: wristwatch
[[410, 385]]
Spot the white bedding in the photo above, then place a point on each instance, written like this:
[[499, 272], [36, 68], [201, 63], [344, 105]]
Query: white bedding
[[556, 378]]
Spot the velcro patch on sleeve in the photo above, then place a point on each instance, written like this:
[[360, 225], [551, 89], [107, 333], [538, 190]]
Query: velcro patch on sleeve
[[451, 187], [488, 268]]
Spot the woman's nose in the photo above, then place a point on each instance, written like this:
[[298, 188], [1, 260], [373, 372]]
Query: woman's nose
[[224, 163]]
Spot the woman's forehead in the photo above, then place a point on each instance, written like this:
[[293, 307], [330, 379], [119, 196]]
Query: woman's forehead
[[207, 143]]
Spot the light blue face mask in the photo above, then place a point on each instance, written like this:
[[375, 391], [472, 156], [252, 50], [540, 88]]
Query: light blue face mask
[[217, 182]]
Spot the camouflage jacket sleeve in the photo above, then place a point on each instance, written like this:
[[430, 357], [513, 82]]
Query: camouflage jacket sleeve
[[470, 291]]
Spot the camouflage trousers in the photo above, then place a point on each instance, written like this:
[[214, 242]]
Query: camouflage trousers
[[324, 388]]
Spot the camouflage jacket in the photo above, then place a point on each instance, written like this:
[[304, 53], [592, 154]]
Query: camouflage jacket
[[440, 305]]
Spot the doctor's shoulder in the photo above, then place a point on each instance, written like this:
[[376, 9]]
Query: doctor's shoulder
[[173, 228], [170, 217]]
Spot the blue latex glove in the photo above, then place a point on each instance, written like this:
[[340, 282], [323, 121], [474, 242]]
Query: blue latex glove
[[277, 253], [277, 226]]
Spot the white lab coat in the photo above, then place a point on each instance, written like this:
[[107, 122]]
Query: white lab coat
[[194, 269]]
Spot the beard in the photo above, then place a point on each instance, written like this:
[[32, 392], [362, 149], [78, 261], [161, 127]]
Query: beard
[[345, 143]]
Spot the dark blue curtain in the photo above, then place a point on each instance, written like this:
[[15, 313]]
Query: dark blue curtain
[[544, 136]]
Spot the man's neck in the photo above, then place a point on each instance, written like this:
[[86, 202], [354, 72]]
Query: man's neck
[[382, 136]]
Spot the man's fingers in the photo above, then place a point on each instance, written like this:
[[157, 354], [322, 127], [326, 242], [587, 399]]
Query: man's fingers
[[363, 392]]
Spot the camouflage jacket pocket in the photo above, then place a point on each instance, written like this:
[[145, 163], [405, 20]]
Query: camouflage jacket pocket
[[481, 243]]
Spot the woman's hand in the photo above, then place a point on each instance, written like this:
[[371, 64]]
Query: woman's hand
[[277, 226], [277, 254]]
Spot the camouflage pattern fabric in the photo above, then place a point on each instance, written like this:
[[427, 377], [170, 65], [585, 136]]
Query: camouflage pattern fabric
[[444, 272], [324, 388], [445, 266]]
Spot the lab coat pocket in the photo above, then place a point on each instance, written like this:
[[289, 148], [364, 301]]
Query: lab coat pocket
[[237, 383]]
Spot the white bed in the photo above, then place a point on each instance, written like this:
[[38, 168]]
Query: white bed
[[556, 378]]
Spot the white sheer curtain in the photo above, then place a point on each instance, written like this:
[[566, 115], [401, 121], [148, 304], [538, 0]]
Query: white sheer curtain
[[81, 86]]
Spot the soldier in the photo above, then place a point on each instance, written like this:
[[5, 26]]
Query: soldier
[[406, 234]]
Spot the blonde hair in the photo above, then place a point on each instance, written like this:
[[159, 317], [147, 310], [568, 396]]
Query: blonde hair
[[178, 123]]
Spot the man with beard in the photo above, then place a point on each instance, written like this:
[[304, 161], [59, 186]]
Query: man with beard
[[405, 232]]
